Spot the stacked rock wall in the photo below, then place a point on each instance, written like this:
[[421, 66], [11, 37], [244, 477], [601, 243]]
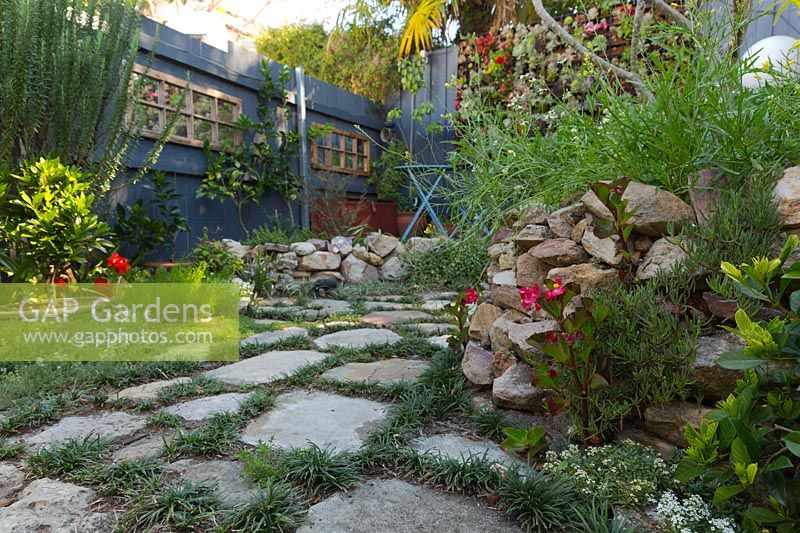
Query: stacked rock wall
[[542, 245], [339, 259]]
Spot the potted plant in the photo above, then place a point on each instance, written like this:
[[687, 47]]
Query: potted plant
[[406, 207]]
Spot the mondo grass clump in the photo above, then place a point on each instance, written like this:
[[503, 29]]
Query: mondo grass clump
[[68, 458], [183, 507], [276, 507]]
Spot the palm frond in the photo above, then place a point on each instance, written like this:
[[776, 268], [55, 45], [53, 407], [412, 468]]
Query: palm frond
[[426, 17]]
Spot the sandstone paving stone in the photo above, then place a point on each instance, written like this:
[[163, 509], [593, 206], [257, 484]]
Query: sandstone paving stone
[[107, 425], [357, 338], [11, 479], [442, 341], [386, 318], [265, 368], [452, 446], [327, 420], [393, 505], [433, 328], [386, 371], [380, 305], [269, 337], [226, 476], [48, 505], [149, 391], [330, 304], [148, 446], [436, 304], [208, 406], [482, 320], [663, 256]]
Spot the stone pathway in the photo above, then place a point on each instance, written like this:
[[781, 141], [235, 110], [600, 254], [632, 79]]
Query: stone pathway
[[452, 446], [269, 337], [109, 425], [327, 420], [386, 318], [400, 507], [299, 417], [208, 406], [358, 338], [265, 368], [387, 371]]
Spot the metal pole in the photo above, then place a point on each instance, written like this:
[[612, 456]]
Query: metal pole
[[300, 102]]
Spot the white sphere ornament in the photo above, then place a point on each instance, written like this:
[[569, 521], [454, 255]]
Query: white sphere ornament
[[776, 54]]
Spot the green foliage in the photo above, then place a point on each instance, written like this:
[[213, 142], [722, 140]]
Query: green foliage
[[574, 369], [649, 352], [319, 471], [64, 92], [69, 457], [296, 45], [242, 173], [459, 318], [218, 258], [185, 507], [538, 502], [9, 450], [749, 448], [528, 441], [216, 438], [164, 419], [275, 507], [278, 231], [610, 195], [388, 181], [136, 227], [48, 224], [125, 477], [451, 264], [698, 117], [358, 55], [624, 474]]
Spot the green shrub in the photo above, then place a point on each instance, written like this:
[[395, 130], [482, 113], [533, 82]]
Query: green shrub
[[319, 471], [452, 264], [748, 449], [48, 224], [538, 502], [625, 474], [220, 261], [649, 351], [697, 117], [65, 83], [278, 230]]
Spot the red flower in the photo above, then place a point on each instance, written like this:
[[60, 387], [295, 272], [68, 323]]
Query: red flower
[[552, 373], [551, 337], [118, 263], [618, 190], [530, 297], [60, 280], [557, 291], [500, 60], [458, 105], [579, 336], [470, 296], [101, 280]]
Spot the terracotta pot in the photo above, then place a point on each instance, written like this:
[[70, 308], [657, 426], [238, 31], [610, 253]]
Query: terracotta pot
[[404, 220]]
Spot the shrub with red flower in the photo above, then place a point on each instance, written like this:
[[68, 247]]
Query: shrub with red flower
[[118, 263], [594, 27], [499, 60], [569, 346], [100, 279]]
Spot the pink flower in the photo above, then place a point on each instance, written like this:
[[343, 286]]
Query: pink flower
[[557, 291], [530, 297], [470, 296]]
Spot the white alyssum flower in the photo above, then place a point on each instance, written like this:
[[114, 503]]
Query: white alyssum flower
[[691, 515]]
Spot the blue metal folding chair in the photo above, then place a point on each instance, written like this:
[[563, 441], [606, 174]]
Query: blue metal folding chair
[[425, 179]]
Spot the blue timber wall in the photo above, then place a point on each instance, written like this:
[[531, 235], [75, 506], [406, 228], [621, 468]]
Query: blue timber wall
[[235, 72]]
